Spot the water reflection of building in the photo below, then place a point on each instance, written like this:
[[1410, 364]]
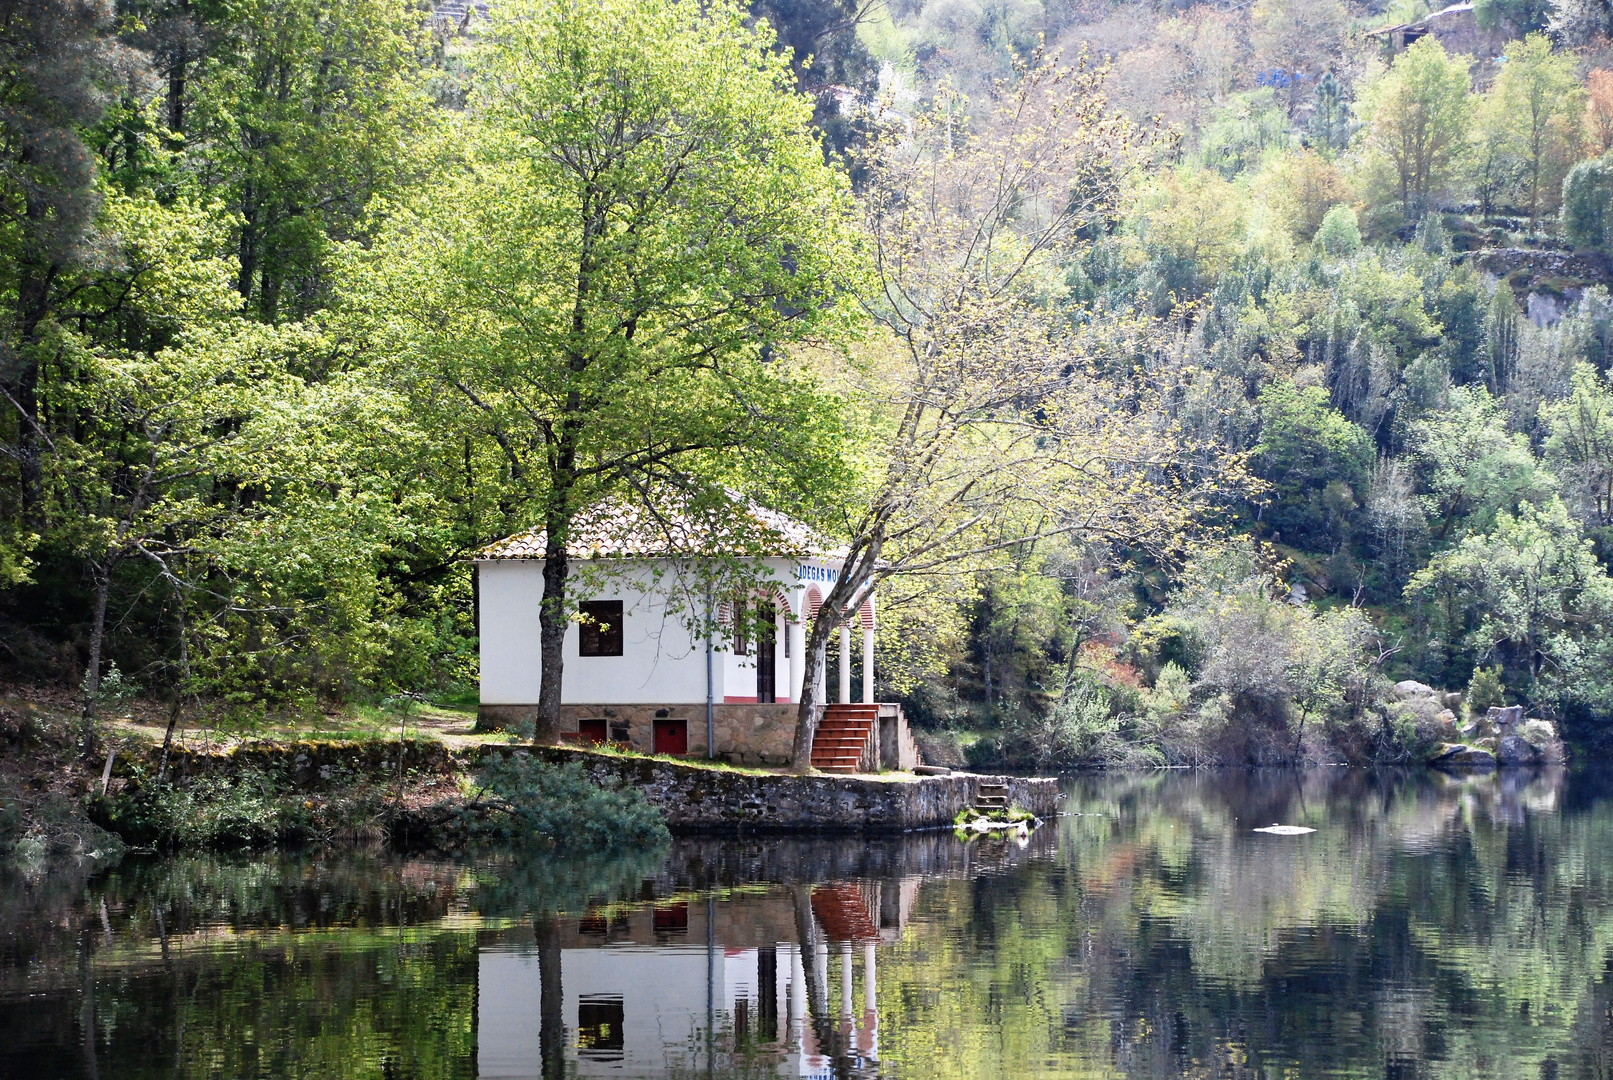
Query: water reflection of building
[[781, 979]]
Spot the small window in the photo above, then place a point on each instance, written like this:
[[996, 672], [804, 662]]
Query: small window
[[601, 628], [741, 628], [599, 1027]]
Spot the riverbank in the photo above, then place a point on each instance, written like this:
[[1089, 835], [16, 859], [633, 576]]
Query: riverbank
[[417, 792]]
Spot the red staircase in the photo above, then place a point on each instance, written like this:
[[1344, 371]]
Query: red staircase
[[845, 739]]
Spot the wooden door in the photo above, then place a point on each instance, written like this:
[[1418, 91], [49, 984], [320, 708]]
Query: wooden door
[[766, 654], [592, 730], [671, 736]]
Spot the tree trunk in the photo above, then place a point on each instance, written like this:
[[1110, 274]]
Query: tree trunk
[[553, 618], [102, 573], [179, 698], [551, 1002], [810, 710]]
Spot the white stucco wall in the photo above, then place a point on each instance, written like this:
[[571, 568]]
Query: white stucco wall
[[660, 664], [665, 994]]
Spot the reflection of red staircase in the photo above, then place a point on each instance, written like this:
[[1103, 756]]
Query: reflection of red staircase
[[845, 738], [843, 912]]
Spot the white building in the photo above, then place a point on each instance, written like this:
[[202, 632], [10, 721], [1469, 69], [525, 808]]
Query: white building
[[641, 667]]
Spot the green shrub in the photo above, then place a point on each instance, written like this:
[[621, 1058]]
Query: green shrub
[[1340, 232], [1587, 213], [1484, 691], [559, 806], [248, 809]]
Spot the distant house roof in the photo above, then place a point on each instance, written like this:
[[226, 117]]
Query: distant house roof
[[1418, 27], [671, 527]]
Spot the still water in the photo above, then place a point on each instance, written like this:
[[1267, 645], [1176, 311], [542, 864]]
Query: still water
[[1430, 927]]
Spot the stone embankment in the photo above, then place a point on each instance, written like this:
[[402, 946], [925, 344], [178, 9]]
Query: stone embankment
[[697, 798]]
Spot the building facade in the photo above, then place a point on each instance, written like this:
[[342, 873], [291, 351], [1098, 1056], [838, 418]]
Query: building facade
[[653, 659]]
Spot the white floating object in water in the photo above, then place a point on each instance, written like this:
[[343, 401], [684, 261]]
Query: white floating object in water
[[1286, 830]]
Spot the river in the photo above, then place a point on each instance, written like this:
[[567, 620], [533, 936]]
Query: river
[[1429, 927]]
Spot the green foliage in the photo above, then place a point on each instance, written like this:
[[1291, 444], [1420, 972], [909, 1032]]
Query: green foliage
[[1484, 691], [1418, 116], [1339, 235], [1329, 128], [1244, 131], [1307, 447], [1517, 17], [248, 808], [1587, 213], [1530, 593], [559, 806]]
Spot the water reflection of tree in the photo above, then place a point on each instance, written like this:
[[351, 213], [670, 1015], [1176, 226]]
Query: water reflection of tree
[[323, 963], [1167, 939]]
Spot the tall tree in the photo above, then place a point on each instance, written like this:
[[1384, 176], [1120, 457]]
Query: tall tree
[[297, 113], [59, 65], [1533, 110], [990, 424], [645, 216], [1418, 114]]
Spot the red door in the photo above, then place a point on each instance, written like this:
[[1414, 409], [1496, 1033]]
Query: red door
[[592, 730], [671, 736]]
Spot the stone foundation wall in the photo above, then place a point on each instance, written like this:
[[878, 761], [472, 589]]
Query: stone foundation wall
[[746, 734], [703, 799]]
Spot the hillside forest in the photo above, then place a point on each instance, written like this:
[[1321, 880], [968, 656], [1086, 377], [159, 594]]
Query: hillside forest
[[1184, 375]]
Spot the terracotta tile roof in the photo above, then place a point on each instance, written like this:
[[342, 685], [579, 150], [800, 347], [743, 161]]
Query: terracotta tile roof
[[617, 529]]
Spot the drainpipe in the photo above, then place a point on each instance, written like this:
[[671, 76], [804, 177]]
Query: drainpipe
[[711, 747]]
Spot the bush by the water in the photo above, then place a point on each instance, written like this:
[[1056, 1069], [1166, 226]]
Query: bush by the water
[[559, 806], [247, 808], [1233, 671]]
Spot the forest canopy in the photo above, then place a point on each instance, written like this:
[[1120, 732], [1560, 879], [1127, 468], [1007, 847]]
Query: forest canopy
[[1185, 377]]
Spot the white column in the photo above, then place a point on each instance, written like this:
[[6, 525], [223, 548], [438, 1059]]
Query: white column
[[798, 997], [868, 665], [845, 980], [868, 978], [845, 664], [798, 661], [820, 681]]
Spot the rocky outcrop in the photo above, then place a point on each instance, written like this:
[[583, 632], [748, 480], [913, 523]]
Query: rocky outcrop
[[1514, 750], [1462, 756], [1429, 709]]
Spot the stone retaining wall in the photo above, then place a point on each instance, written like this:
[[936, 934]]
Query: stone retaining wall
[[746, 734], [697, 799]]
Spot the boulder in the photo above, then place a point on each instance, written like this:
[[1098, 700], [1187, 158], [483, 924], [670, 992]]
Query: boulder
[[1537, 733], [1453, 701], [1413, 689], [1515, 751], [1432, 722], [1506, 720], [1460, 756]]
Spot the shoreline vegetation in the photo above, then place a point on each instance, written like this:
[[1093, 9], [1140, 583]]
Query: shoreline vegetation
[[414, 791]]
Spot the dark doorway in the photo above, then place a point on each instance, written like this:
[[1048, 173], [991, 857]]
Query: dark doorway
[[592, 730], [671, 736], [766, 649]]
